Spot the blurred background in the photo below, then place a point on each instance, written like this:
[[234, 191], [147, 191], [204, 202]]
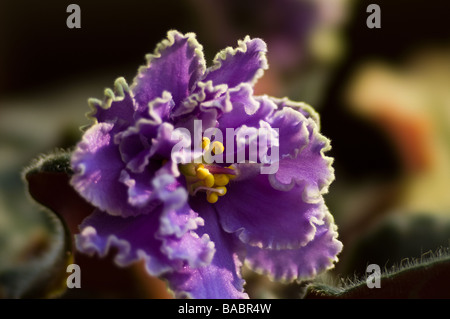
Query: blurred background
[[383, 96]]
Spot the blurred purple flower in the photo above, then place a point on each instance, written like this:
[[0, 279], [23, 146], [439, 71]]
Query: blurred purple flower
[[287, 26], [149, 207]]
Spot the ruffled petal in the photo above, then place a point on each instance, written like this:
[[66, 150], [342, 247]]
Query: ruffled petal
[[264, 111], [246, 63], [204, 93], [97, 165], [146, 142], [265, 217], [134, 144], [306, 164], [140, 189], [136, 238], [305, 109], [292, 128], [239, 107], [177, 217], [118, 107], [149, 192], [176, 66], [302, 263], [250, 144], [221, 279], [238, 116], [159, 109], [244, 107]]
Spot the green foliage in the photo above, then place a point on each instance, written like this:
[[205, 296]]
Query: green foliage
[[424, 277], [56, 162]]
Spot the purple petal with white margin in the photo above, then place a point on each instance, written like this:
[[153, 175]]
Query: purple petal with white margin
[[298, 264], [97, 165], [244, 107], [265, 217], [176, 65], [140, 188], [118, 107], [149, 192], [204, 92], [306, 110], [236, 108], [246, 63], [308, 166], [136, 239], [292, 127], [134, 143], [177, 217], [159, 109], [221, 279], [248, 144], [264, 111], [146, 142]]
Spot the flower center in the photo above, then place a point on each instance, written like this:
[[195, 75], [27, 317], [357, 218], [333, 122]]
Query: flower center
[[208, 178]]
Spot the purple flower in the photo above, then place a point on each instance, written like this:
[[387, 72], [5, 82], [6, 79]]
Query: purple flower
[[196, 224]]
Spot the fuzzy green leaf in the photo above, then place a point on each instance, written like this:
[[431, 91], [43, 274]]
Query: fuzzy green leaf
[[57, 162], [426, 277]]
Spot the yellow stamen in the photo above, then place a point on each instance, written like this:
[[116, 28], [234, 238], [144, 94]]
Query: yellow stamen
[[212, 197], [202, 173], [221, 179], [200, 179], [231, 176], [222, 190], [217, 147], [209, 180], [205, 142]]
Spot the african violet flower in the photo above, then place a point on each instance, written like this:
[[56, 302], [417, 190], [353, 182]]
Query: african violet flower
[[196, 223]]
